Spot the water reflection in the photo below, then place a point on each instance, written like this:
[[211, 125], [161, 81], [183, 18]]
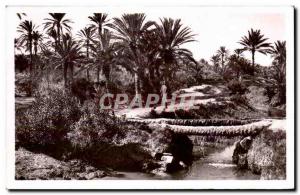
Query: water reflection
[[215, 166]]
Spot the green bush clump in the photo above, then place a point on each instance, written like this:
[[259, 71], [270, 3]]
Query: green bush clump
[[45, 124], [106, 141], [237, 87], [240, 100], [95, 126], [58, 125]]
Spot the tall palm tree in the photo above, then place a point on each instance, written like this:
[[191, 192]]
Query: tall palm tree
[[86, 35], [278, 52], [129, 30], [151, 76], [104, 52], [100, 22], [37, 37], [68, 53], [58, 23], [172, 35], [223, 53], [26, 28], [52, 35], [255, 42], [215, 59]]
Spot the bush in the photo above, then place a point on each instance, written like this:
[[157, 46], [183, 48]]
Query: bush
[[237, 87], [94, 126], [240, 100], [83, 89], [21, 62], [270, 92], [57, 125], [45, 124], [106, 141]]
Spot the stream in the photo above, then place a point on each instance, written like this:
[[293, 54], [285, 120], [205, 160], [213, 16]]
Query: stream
[[215, 166]]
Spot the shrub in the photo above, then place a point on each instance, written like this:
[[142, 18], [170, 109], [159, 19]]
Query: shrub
[[83, 89], [237, 87], [24, 85], [21, 62], [94, 126], [269, 92], [106, 141], [45, 124], [240, 100]]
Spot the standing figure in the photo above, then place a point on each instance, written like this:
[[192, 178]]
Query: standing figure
[[163, 93]]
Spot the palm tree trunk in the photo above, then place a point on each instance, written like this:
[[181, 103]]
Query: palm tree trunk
[[65, 69], [253, 62], [58, 33], [98, 73], [72, 72], [35, 55], [222, 61], [35, 48], [151, 80], [136, 83], [30, 54], [87, 55]]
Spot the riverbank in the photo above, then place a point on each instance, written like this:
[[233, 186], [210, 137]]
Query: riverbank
[[57, 125]]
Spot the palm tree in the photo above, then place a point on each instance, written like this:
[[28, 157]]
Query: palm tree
[[215, 59], [104, 52], [129, 30], [52, 35], [37, 37], [172, 35], [68, 52], [278, 52], [17, 46], [238, 52], [86, 35], [26, 29], [20, 15], [223, 53], [255, 42], [58, 23], [234, 63], [100, 22]]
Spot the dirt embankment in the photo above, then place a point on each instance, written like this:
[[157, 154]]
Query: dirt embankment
[[266, 155], [31, 166]]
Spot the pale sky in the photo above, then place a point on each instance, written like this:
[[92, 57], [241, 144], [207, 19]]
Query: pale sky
[[213, 26]]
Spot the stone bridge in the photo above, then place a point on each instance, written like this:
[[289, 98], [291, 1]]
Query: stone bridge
[[207, 127], [182, 128]]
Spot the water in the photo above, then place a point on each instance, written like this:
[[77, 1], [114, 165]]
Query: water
[[215, 166]]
